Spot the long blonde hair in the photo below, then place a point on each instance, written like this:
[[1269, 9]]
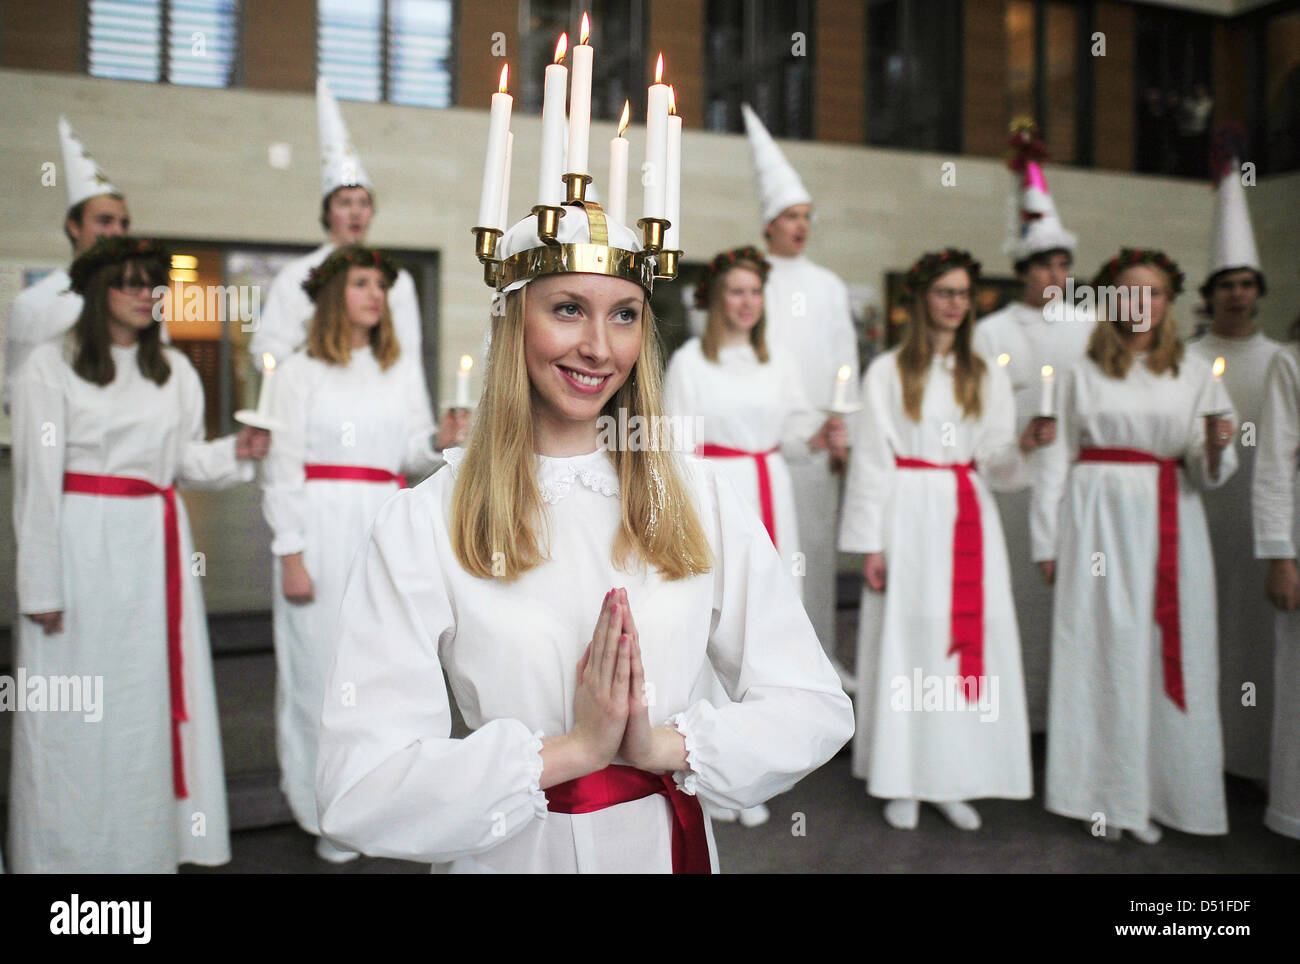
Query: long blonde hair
[[328, 334], [716, 327], [1109, 349], [498, 518], [916, 354]]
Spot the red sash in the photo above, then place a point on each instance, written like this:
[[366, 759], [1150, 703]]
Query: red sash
[[622, 784], [116, 485], [1166, 561], [967, 608], [352, 473], [764, 480]]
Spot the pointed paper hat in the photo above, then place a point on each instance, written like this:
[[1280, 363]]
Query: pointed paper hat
[[340, 165], [779, 186], [1033, 226], [81, 174], [1232, 242]]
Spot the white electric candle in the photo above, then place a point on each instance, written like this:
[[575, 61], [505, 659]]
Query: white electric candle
[[264, 393], [656, 147], [550, 184], [489, 205], [841, 400], [580, 103], [618, 147], [462, 382], [672, 238], [1045, 401]]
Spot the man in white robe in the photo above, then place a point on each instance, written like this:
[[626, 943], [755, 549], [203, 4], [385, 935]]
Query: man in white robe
[[45, 310], [809, 320]]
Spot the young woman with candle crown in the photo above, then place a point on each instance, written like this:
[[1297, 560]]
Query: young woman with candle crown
[[1117, 523], [570, 597], [353, 416], [106, 421], [941, 695]]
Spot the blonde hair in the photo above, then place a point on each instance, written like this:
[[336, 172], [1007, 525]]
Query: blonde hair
[[916, 354], [716, 327], [497, 513], [328, 334], [1109, 348]]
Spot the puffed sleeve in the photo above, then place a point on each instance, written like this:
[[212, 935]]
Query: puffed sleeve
[[997, 452], [404, 305], [284, 479], [1276, 458], [389, 780], [1053, 468], [203, 465], [421, 457], [788, 713], [18, 321], [39, 442], [802, 421], [871, 466], [1212, 396]]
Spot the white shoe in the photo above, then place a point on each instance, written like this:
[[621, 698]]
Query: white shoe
[[754, 816], [327, 851], [902, 814], [721, 814], [848, 682], [1150, 834], [960, 814]]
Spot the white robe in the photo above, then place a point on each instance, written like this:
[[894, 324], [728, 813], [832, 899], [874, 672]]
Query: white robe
[[392, 783], [98, 797], [955, 751], [38, 313], [1032, 341], [1245, 615], [1117, 744], [744, 404], [1274, 497], [286, 313], [357, 415], [809, 320]]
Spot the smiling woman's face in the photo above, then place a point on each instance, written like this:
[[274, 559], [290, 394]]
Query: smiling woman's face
[[582, 336]]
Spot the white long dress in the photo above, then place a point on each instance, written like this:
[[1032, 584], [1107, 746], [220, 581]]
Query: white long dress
[[810, 322], [343, 415], [38, 313], [98, 797], [908, 746], [1274, 499], [1117, 744], [282, 322], [414, 623], [746, 405], [1032, 338], [1245, 616]]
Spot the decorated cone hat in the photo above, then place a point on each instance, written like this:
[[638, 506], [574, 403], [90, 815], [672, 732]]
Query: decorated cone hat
[[340, 165], [1033, 226], [1232, 241], [81, 174], [779, 186]]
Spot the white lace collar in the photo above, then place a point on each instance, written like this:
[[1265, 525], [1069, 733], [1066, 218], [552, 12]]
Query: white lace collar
[[555, 476]]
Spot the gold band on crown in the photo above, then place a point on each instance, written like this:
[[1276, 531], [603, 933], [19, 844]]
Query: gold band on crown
[[583, 258]]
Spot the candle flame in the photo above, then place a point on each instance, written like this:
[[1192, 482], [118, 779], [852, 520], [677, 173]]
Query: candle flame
[[672, 99], [1047, 371], [1004, 360], [268, 362], [624, 117], [466, 363], [844, 373], [1219, 365], [659, 69], [561, 48], [585, 32], [505, 72]]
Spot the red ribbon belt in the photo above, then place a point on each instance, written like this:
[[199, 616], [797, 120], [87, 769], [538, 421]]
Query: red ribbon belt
[[623, 784], [967, 612], [353, 473], [764, 480], [117, 485], [1166, 561]]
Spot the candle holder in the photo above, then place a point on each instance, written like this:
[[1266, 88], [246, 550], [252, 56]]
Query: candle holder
[[668, 264], [575, 187], [485, 249], [842, 409], [548, 221], [250, 417], [653, 230]]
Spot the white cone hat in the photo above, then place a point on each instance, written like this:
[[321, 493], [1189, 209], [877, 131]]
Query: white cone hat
[[1035, 226], [779, 186], [1232, 242], [340, 165], [81, 174]]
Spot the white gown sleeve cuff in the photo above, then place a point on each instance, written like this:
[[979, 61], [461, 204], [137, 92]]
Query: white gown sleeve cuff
[[535, 778], [687, 780]]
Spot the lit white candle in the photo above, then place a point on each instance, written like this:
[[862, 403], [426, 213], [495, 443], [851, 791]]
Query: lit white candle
[[617, 207], [1045, 400], [489, 205], [841, 401], [1004, 360], [580, 102], [550, 185], [672, 238], [264, 393], [504, 221], [656, 146], [462, 382], [1220, 365]]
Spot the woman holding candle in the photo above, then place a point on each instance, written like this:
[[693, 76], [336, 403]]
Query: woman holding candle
[[941, 696], [355, 416], [1117, 523], [107, 420]]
